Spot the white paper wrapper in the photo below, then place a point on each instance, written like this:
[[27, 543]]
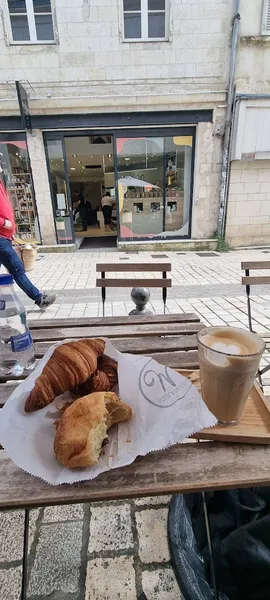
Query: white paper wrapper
[[166, 407]]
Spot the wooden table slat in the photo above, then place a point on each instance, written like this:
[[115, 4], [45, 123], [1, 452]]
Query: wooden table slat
[[183, 468], [139, 330], [140, 345], [175, 360], [120, 320]]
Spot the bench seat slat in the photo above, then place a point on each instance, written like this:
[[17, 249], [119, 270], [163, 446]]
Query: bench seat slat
[[259, 280], [118, 283]]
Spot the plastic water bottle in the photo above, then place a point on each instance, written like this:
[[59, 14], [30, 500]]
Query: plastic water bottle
[[17, 351]]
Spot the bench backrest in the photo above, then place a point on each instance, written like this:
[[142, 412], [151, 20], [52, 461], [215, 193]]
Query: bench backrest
[[255, 266], [163, 268], [117, 282]]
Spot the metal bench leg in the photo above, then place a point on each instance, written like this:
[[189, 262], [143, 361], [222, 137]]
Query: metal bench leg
[[248, 302], [103, 295], [210, 546], [164, 292], [25, 554]]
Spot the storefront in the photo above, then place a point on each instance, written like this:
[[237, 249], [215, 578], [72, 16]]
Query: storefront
[[146, 161], [148, 173], [16, 172]]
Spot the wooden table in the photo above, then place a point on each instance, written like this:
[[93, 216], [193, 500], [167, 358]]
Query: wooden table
[[171, 340]]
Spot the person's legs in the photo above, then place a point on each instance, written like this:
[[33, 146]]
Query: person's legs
[[82, 210], [15, 267], [104, 212]]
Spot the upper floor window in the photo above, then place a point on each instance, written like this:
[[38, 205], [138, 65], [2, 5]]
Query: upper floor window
[[144, 20], [31, 21], [266, 18]]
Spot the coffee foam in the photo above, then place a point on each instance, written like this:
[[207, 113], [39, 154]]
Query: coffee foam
[[231, 342]]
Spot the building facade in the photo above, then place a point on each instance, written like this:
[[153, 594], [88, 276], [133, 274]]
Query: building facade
[[129, 96]]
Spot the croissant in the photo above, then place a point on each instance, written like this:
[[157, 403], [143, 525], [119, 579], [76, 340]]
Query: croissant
[[82, 430], [103, 380], [70, 364]]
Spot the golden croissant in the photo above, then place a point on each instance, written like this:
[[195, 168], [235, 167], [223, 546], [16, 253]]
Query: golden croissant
[[82, 430], [70, 365]]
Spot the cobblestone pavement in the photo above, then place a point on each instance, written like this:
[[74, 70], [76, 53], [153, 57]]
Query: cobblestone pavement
[[116, 550]]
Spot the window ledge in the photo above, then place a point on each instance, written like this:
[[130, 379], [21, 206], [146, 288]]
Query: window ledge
[[30, 43], [141, 41], [255, 40]]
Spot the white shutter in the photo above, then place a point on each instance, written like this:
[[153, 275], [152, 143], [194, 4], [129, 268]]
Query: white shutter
[[266, 18]]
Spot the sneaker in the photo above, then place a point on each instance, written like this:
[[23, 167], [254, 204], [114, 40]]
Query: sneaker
[[46, 300]]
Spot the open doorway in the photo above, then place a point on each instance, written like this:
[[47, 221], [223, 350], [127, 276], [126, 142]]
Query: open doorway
[[90, 170]]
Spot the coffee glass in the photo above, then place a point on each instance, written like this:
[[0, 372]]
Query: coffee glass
[[229, 359]]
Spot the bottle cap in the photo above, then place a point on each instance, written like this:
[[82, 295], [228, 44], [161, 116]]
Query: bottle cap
[[6, 280]]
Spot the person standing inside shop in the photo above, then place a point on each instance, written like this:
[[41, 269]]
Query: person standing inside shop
[[82, 210], [10, 259], [106, 206]]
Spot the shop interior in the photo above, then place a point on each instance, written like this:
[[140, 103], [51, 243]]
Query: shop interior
[[90, 172], [153, 178]]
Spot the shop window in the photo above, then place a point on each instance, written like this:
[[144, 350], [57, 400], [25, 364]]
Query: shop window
[[145, 20], [157, 172], [30, 21], [18, 181], [266, 18]]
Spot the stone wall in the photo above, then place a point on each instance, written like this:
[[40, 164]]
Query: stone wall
[[248, 217], [41, 187], [206, 180], [90, 66]]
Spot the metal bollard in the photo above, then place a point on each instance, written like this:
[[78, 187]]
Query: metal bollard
[[140, 297]]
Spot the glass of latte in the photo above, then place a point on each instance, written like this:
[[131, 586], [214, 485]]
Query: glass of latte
[[229, 359]]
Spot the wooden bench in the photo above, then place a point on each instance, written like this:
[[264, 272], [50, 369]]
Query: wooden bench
[[113, 282]]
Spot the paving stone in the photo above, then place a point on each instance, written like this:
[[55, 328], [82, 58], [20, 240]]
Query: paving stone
[[71, 512], [110, 579], [11, 535], [161, 584], [152, 500], [110, 528], [58, 559], [10, 583], [152, 531]]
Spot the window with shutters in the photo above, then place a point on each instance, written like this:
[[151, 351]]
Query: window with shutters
[[144, 20], [266, 18], [30, 21]]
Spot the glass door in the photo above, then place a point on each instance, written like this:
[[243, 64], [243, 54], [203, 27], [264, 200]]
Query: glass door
[[155, 176], [60, 191]]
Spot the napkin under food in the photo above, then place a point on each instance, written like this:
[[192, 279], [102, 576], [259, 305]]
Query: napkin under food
[[167, 408]]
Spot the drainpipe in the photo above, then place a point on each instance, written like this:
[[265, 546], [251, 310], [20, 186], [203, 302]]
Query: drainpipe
[[225, 171]]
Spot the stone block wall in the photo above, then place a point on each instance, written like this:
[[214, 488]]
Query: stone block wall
[[91, 66], [206, 180], [41, 186], [248, 216]]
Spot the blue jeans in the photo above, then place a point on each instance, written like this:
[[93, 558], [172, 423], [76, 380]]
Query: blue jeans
[[15, 267]]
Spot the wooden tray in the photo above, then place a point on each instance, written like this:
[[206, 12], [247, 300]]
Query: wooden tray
[[254, 427]]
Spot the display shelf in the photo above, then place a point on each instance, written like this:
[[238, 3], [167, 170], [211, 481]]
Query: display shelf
[[21, 195]]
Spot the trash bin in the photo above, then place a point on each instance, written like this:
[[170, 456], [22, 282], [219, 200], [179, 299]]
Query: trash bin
[[240, 531]]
